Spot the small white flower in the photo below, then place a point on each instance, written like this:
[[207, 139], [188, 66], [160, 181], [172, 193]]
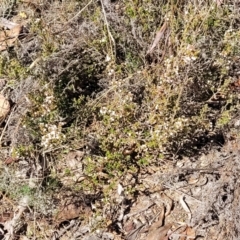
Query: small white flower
[[111, 72], [103, 110], [113, 113], [178, 124], [119, 189], [108, 58], [103, 40]]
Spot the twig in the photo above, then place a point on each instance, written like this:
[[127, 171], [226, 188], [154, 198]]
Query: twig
[[4, 129], [10, 7], [12, 225], [185, 206], [96, 101], [112, 41], [63, 231], [140, 211], [71, 19], [179, 191]]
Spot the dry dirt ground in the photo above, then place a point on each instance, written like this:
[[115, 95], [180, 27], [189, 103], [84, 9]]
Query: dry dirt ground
[[194, 198], [197, 198]]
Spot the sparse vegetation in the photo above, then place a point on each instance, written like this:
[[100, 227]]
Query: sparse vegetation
[[81, 79]]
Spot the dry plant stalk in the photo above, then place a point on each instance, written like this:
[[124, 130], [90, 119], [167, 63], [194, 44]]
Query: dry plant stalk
[[73, 18], [12, 225], [111, 39]]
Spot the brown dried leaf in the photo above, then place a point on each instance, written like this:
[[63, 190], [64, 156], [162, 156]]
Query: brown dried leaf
[[158, 37], [10, 160], [188, 234], [129, 226], [4, 107], [74, 159], [6, 216], [169, 203], [180, 231], [143, 204], [160, 233], [75, 155], [158, 223], [71, 211], [197, 180], [235, 86], [191, 233], [8, 37], [133, 234]]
